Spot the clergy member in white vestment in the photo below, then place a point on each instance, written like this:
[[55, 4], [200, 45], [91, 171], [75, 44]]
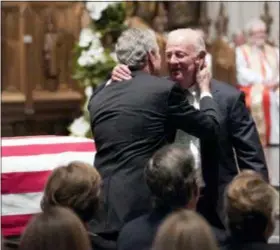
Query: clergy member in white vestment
[[257, 65]]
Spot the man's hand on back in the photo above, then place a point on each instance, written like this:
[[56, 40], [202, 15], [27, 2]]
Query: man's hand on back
[[121, 72]]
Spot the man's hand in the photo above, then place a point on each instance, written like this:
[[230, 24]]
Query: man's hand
[[203, 78], [121, 72]]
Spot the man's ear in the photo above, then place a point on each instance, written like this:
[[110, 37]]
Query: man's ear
[[200, 60], [150, 60], [202, 54]]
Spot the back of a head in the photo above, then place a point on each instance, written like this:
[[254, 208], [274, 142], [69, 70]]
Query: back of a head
[[251, 207], [76, 186], [133, 45], [183, 230], [171, 177], [189, 37], [56, 228]]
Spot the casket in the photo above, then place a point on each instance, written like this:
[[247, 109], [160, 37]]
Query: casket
[[26, 164]]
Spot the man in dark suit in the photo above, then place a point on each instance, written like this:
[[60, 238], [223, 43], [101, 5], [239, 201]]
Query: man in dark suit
[[172, 180], [239, 143], [130, 121]]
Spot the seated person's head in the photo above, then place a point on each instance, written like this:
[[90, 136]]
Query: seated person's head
[[56, 228], [76, 186], [251, 207], [185, 229], [138, 49], [172, 178]]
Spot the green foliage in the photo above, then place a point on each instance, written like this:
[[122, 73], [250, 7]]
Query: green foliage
[[112, 19], [109, 24], [97, 57]]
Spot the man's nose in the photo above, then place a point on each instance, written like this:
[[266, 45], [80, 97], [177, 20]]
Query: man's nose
[[173, 59]]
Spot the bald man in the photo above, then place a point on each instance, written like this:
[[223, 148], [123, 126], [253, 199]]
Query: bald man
[[238, 138]]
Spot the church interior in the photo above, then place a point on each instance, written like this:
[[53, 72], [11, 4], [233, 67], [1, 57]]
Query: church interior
[[48, 73]]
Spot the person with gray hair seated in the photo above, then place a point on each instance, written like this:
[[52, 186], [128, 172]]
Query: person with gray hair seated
[[132, 120], [172, 179]]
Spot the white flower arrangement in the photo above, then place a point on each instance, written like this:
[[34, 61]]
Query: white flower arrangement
[[93, 62]]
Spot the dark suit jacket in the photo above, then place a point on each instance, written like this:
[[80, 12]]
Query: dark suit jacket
[[99, 243], [140, 233], [130, 121], [219, 166], [252, 245]]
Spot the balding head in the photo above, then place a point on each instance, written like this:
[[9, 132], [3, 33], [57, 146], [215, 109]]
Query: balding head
[[253, 25], [172, 178], [185, 51], [188, 37], [256, 32]]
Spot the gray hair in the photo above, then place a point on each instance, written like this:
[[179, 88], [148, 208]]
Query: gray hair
[[133, 45], [253, 24], [192, 37]]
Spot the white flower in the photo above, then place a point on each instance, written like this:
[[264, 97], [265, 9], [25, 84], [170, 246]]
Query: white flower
[[86, 59], [79, 127], [97, 53], [96, 43], [95, 8], [88, 91], [86, 37]]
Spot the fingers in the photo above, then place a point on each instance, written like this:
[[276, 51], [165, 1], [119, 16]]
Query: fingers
[[124, 72], [117, 78], [120, 73]]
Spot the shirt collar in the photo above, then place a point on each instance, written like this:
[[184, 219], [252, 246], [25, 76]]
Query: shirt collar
[[194, 90]]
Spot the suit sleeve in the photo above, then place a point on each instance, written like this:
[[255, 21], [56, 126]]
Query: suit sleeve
[[203, 123], [245, 138]]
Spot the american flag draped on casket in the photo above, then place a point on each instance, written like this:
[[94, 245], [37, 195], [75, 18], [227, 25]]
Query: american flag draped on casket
[[26, 165]]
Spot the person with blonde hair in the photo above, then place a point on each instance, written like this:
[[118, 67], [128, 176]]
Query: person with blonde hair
[[56, 228], [185, 230], [251, 207], [77, 187]]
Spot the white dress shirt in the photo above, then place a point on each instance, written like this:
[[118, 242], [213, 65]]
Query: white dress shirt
[[192, 142]]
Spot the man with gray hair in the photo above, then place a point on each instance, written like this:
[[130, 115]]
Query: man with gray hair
[[238, 143], [130, 121], [257, 65]]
